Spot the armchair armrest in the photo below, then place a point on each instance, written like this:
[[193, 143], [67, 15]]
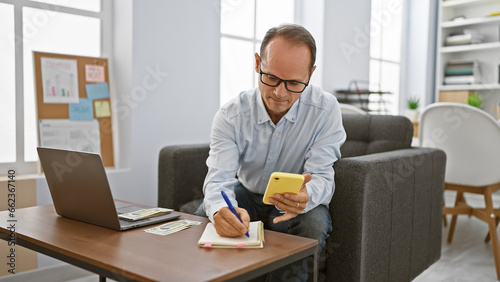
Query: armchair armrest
[[181, 173], [386, 215]]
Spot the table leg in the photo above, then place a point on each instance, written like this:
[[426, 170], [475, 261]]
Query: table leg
[[102, 278], [315, 265]]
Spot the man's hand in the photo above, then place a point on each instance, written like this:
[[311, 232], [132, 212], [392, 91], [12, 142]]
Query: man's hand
[[227, 224], [291, 204]]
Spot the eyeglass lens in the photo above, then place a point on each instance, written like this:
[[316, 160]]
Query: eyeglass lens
[[273, 81]]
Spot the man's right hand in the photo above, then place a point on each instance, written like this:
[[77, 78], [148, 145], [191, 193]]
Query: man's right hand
[[227, 224]]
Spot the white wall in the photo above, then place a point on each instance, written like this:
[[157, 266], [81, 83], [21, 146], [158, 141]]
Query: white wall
[[174, 90], [310, 14], [120, 81], [346, 42]]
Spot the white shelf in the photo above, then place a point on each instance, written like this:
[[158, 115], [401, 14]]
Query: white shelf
[[473, 21], [469, 87], [455, 3], [470, 47], [487, 55]]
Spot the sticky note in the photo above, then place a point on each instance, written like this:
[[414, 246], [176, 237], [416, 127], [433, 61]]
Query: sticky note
[[207, 245], [102, 109], [240, 245], [82, 110], [94, 73], [97, 91]]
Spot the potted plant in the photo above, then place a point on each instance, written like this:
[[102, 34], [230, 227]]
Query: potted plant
[[475, 100], [412, 112]]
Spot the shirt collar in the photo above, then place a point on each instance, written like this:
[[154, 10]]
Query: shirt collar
[[263, 115], [291, 115]]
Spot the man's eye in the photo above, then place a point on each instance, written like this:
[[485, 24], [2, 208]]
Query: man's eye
[[272, 78], [293, 83]]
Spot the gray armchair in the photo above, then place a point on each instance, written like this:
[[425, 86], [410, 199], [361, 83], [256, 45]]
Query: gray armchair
[[387, 207]]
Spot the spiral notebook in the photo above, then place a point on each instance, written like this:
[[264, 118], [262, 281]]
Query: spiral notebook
[[210, 238]]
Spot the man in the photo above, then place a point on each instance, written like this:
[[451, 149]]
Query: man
[[283, 125]]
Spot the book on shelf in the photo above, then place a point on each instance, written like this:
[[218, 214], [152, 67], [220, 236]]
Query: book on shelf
[[469, 36], [458, 71], [461, 71], [461, 79]]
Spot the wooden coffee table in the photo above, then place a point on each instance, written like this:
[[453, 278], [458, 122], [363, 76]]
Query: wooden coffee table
[[138, 255]]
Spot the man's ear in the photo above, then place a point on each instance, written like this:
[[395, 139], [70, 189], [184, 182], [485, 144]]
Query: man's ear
[[257, 63], [311, 72]]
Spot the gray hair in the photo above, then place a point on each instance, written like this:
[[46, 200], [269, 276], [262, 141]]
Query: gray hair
[[295, 34]]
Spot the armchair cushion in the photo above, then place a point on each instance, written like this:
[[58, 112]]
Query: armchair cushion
[[181, 172], [369, 134]]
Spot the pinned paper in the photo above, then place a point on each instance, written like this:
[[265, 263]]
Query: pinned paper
[[59, 80], [102, 109], [81, 111], [70, 134], [94, 73], [97, 91]]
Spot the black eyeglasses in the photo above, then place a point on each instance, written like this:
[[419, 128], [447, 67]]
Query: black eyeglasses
[[290, 85]]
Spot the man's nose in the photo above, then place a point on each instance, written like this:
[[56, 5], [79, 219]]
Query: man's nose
[[280, 90]]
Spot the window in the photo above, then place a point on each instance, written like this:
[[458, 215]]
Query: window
[[243, 26], [385, 49], [68, 27], [7, 80]]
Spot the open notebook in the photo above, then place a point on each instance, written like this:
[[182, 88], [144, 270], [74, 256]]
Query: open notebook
[[210, 238]]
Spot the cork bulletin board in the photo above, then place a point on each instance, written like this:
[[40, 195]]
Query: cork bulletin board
[[92, 73]]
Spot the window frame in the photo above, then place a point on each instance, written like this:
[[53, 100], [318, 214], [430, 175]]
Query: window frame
[[395, 97], [105, 16], [254, 40]]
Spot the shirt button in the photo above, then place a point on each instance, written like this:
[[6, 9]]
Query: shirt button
[[271, 158], [277, 134], [265, 179]]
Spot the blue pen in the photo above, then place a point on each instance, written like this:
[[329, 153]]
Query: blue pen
[[231, 208]]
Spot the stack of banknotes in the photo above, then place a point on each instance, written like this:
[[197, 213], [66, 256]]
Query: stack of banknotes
[[172, 227], [144, 213]]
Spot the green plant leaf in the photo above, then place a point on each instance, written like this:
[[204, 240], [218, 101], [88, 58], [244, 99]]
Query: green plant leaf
[[475, 100], [413, 103]]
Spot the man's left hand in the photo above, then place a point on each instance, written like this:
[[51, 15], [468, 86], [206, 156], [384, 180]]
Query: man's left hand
[[291, 204]]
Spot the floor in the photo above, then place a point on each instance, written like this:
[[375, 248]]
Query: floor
[[59, 273], [467, 258]]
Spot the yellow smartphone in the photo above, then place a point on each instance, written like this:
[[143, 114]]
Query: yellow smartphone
[[282, 182]]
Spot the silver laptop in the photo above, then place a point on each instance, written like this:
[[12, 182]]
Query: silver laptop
[[80, 190]]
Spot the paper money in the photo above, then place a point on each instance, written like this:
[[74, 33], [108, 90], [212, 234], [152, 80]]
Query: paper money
[[172, 227], [144, 213]]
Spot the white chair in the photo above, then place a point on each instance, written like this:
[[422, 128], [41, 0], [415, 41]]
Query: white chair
[[347, 109], [470, 138]]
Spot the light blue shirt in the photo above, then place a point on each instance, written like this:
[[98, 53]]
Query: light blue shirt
[[246, 146]]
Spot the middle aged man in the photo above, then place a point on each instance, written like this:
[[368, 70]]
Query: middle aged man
[[283, 125]]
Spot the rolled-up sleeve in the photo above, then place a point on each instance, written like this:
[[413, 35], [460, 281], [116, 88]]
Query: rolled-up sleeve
[[321, 156], [222, 165]]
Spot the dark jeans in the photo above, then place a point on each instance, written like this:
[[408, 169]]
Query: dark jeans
[[315, 224]]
